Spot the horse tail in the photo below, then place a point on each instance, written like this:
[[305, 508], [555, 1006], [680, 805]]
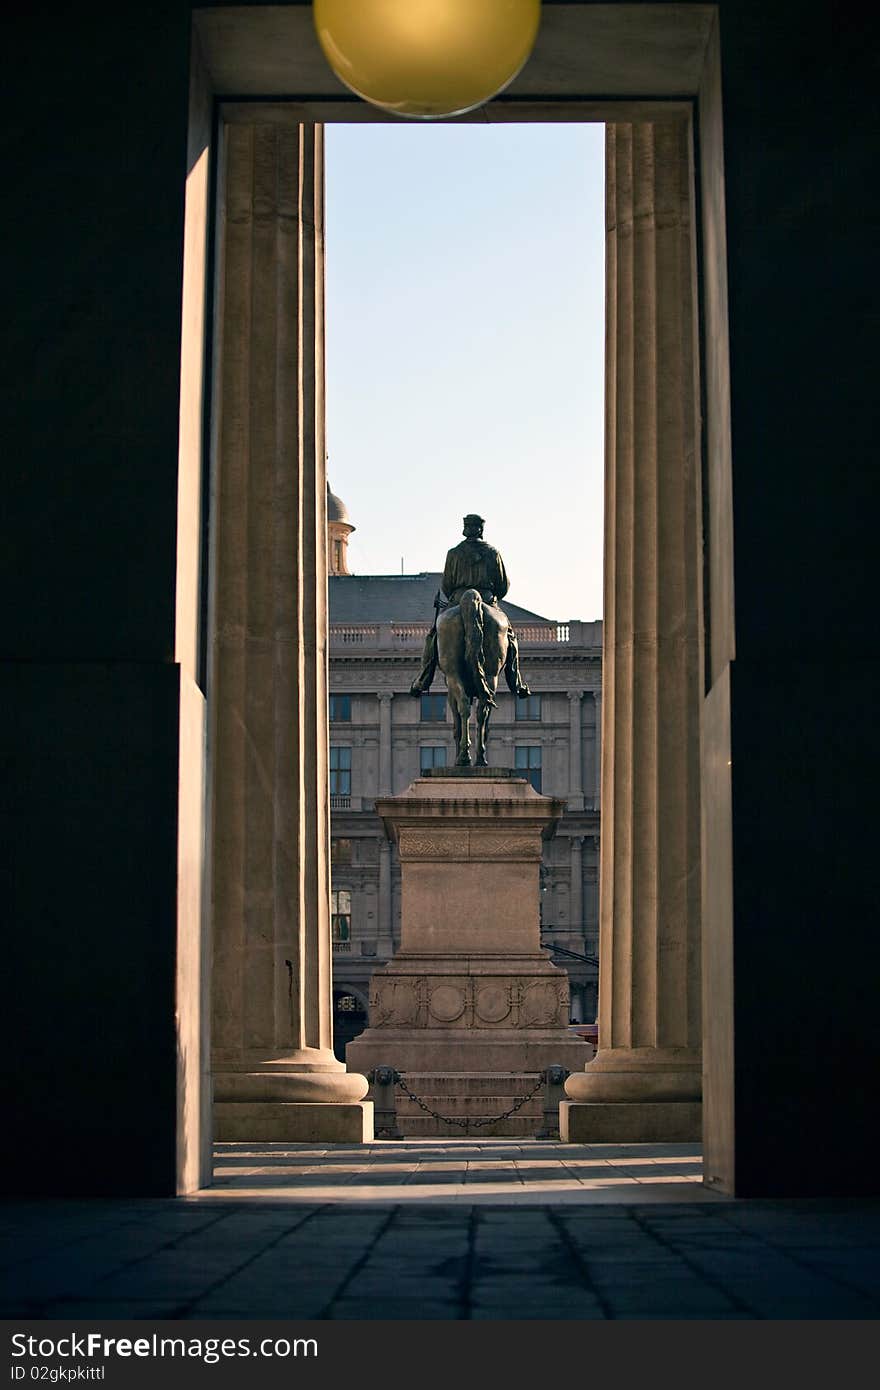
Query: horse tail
[[471, 604]]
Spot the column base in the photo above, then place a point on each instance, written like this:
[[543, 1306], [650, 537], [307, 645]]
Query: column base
[[259, 1122], [631, 1122], [304, 1097], [630, 1075], [288, 1087]]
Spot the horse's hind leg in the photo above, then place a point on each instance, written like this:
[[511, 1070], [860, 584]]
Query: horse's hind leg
[[456, 720], [460, 704], [484, 711]]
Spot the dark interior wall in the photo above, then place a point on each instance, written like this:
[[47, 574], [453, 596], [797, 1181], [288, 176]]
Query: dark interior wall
[[805, 958], [94, 159], [800, 91], [801, 108], [96, 156], [89, 766]]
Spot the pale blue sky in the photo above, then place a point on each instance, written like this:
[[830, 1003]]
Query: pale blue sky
[[465, 344]]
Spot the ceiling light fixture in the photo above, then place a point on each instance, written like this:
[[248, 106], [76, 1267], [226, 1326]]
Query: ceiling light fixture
[[426, 58]]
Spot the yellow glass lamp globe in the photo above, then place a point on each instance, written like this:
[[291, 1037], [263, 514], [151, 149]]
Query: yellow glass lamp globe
[[426, 58]]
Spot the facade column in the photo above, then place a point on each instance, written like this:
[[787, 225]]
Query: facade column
[[386, 936], [275, 1075], [385, 699], [575, 753], [597, 771], [645, 1082], [576, 889]]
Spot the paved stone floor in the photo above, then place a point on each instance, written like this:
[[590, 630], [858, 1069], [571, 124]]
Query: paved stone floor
[[418, 1229], [461, 1171]]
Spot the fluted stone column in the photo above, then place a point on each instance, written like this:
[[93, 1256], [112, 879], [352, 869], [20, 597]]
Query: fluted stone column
[[597, 769], [275, 1075], [645, 1082], [575, 753], [385, 699]]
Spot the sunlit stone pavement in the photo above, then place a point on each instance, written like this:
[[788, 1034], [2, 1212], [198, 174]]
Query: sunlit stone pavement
[[462, 1170]]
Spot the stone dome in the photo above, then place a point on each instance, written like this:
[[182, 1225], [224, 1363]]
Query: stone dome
[[339, 528], [336, 508]]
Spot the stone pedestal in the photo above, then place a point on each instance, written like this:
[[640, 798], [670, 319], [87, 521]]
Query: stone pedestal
[[471, 999]]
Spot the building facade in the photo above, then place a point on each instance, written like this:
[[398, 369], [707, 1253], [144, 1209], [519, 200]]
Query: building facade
[[382, 739]]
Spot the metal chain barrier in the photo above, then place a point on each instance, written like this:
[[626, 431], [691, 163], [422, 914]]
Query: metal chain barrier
[[466, 1123]]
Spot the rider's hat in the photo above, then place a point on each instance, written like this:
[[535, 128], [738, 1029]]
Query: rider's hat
[[472, 517]]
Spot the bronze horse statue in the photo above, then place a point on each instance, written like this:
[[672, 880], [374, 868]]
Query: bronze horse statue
[[471, 640], [472, 646]]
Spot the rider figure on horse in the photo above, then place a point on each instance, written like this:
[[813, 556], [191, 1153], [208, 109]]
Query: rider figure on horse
[[472, 564]]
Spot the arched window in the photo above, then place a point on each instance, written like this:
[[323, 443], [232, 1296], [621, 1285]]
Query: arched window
[[349, 1018]]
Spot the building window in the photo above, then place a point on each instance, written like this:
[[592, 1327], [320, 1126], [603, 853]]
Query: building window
[[529, 708], [528, 764], [340, 770], [433, 709], [340, 851], [431, 756], [340, 708], [340, 915]]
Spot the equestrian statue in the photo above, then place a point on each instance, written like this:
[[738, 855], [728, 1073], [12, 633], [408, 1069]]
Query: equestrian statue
[[471, 639]]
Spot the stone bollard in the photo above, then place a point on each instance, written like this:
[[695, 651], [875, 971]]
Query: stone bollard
[[554, 1077], [381, 1093]]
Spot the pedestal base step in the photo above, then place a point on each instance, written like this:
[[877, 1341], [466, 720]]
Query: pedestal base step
[[424, 1127], [293, 1122], [630, 1122], [465, 1105]]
